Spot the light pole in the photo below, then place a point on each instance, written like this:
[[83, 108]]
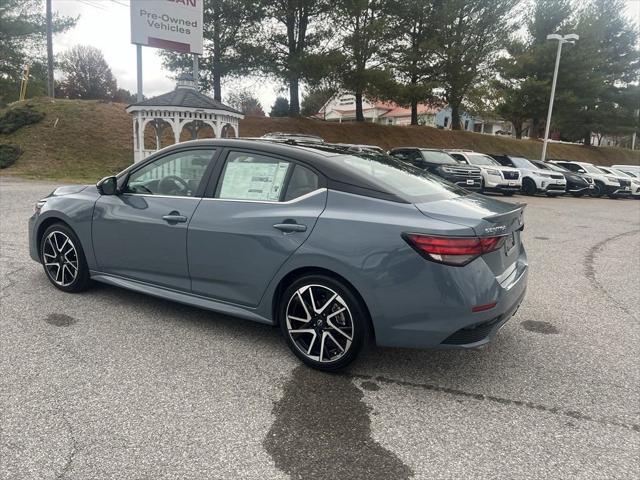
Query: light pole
[[570, 38]]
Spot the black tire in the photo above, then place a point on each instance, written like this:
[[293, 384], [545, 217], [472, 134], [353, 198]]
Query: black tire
[[529, 187], [508, 194], [598, 190], [49, 251], [577, 195], [481, 189], [325, 321]]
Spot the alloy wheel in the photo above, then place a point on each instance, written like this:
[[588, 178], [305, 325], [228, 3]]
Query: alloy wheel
[[60, 258], [319, 323]]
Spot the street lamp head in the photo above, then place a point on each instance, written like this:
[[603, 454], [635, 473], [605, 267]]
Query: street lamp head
[[554, 36], [571, 36]]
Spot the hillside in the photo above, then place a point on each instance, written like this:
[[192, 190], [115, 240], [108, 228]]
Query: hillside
[[86, 140]]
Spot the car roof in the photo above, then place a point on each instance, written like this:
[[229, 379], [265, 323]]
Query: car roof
[[320, 156]]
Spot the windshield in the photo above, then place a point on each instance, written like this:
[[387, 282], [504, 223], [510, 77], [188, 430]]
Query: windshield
[[522, 162], [479, 159], [438, 157], [621, 173], [591, 169], [555, 167], [399, 177]]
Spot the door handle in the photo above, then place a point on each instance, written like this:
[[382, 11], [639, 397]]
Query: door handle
[[290, 227], [174, 217]]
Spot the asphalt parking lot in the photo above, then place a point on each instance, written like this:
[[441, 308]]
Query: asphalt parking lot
[[113, 384]]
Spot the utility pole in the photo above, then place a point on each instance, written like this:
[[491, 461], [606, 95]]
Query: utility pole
[[571, 38], [50, 89]]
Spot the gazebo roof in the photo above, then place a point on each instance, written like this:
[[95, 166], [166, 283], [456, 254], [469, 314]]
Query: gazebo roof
[[185, 95]]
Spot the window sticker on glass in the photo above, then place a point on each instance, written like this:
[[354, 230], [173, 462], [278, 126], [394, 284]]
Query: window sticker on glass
[[248, 178]]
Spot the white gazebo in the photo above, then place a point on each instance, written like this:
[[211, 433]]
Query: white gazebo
[[183, 108]]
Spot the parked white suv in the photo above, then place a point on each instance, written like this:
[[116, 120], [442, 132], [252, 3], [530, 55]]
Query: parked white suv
[[634, 181], [633, 169], [495, 177], [605, 184], [534, 179]]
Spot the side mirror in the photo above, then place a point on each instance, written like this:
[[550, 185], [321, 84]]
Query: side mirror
[[108, 186]]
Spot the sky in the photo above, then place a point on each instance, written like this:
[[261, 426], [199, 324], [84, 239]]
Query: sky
[[105, 24]]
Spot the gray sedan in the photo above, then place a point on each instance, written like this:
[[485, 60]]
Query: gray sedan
[[334, 247]]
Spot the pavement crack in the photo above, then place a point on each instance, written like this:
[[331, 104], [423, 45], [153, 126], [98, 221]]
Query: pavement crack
[[502, 400], [590, 270], [72, 451]]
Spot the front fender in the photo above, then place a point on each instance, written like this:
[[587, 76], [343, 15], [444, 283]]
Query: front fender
[[76, 210]]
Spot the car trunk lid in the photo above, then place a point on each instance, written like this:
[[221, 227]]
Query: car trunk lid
[[487, 217]]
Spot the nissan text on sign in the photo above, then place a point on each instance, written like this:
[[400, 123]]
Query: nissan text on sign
[[168, 24]]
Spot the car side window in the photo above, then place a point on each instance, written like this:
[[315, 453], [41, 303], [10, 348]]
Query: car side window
[[177, 174], [401, 154], [459, 157], [302, 181], [251, 176]]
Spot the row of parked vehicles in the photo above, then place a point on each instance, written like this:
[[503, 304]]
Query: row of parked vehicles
[[507, 174]]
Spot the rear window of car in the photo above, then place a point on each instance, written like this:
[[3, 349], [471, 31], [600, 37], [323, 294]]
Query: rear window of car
[[438, 157], [400, 178], [522, 162]]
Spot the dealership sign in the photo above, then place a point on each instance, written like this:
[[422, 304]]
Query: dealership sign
[[168, 24]]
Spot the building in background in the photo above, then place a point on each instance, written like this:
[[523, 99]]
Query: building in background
[[342, 108]]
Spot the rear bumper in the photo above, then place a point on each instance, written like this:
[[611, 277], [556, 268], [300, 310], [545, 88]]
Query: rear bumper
[[456, 326]]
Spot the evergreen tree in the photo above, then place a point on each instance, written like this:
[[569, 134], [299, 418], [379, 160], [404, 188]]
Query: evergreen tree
[[411, 54], [367, 32], [470, 33], [599, 74], [22, 39], [229, 29], [280, 108], [525, 75], [292, 46]]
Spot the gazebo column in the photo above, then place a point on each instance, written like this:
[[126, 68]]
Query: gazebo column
[[176, 126]]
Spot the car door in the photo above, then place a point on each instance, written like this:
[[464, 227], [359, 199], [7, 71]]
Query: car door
[[141, 233], [262, 209]]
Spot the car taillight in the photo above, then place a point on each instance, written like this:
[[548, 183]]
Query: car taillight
[[457, 251]]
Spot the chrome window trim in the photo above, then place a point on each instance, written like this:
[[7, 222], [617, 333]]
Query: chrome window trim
[[270, 202], [159, 196]]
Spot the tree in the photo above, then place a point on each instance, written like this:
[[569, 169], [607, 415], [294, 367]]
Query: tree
[[291, 45], [86, 74], [470, 33], [280, 108], [599, 74], [315, 99], [525, 74], [411, 55], [228, 30], [22, 38], [244, 101], [122, 95], [366, 33]]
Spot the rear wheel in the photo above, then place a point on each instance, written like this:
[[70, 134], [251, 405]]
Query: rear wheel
[[529, 187], [323, 322], [63, 259], [598, 190]]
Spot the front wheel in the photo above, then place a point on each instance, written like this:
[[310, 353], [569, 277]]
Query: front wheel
[[63, 259], [323, 322], [529, 187], [597, 191]]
